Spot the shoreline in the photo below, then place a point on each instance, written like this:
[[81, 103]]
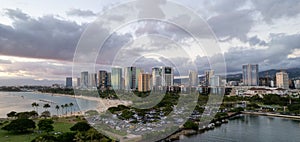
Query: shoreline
[[189, 132], [271, 114], [103, 104]]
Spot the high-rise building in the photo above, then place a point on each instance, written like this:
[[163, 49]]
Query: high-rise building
[[102, 79], [144, 82], [138, 72], [92, 80], [84, 79], [108, 79], [167, 76], [216, 81], [116, 78], [208, 75], [282, 80], [162, 76], [130, 78], [156, 76], [250, 75], [69, 82], [193, 78], [78, 82], [297, 84]]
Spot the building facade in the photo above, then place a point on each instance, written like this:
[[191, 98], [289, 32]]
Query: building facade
[[102, 79], [84, 79], [250, 75], [116, 78], [69, 82], [167, 74], [193, 78], [137, 74], [207, 75], [156, 77], [282, 80], [144, 82], [130, 78], [92, 80]]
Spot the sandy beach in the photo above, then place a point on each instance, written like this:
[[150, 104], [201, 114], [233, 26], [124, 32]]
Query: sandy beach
[[103, 104]]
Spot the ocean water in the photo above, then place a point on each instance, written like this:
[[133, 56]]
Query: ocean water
[[250, 128], [21, 101]]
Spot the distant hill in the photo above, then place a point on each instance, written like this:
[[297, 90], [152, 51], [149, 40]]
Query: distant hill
[[294, 73]]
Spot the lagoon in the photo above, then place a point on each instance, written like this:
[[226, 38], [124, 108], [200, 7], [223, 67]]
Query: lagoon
[[21, 101], [252, 128]]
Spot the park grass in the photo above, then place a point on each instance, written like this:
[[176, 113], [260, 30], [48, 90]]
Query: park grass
[[62, 126], [10, 137]]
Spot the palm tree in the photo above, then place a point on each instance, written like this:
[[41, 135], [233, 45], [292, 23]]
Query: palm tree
[[66, 106], [46, 106], [34, 105], [62, 109], [57, 108], [37, 107], [71, 105]]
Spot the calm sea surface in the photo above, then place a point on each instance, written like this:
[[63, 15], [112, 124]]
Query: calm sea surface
[[21, 101], [251, 128]]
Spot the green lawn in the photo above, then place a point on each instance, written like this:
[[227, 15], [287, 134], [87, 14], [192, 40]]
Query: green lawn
[[62, 126], [9, 137]]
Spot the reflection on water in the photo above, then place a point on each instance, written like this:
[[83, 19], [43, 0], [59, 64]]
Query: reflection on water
[[21, 101], [250, 128]]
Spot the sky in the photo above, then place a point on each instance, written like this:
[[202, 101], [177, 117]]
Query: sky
[[38, 39]]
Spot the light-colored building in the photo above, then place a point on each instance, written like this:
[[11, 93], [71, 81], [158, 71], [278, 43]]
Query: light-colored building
[[108, 79], [116, 78], [156, 76], [216, 81], [130, 78], [297, 84], [84, 79], [167, 76], [193, 78], [144, 82], [92, 80], [282, 80], [250, 75], [138, 72]]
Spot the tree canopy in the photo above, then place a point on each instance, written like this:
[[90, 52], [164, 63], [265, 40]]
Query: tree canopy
[[46, 125], [81, 127], [20, 126]]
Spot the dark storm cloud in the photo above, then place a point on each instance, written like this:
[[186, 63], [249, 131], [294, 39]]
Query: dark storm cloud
[[256, 41], [80, 13], [45, 37], [232, 24], [275, 56], [273, 9]]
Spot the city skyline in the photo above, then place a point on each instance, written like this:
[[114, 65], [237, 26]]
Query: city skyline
[[269, 36]]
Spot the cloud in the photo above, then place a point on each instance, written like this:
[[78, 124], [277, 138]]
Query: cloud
[[232, 24], [256, 41], [5, 61], [274, 9], [45, 37], [80, 13], [16, 14], [274, 57]]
